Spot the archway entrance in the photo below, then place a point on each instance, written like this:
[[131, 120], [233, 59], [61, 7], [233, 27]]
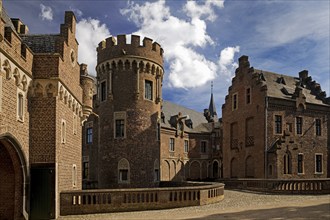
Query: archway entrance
[[12, 181]]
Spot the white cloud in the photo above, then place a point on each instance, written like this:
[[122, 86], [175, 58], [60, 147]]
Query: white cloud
[[226, 61], [46, 12], [196, 11], [179, 37], [90, 32]]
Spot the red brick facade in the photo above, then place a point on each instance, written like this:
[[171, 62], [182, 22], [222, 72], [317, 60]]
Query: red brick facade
[[43, 101]]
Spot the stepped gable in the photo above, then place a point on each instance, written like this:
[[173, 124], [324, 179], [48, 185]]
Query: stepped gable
[[118, 47], [284, 87]]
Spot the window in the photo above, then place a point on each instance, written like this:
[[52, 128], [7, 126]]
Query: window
[[278, 124], [158, 132], [74, 175], [120, 128], [89, 135], [85, 170], [123, 175], [156, 175], [103, 91], [234, 102], [171, 144], [148, 90], [300, 163], [63, 131], [299, 125], [203, 146], [248, 95], [20, 106], [186, 146], [75, 123], [318, 163], [318, 127], [287, 163], [249, 132], [123, 171]]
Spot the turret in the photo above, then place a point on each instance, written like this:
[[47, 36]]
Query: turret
[[129, 101], [87, 84]]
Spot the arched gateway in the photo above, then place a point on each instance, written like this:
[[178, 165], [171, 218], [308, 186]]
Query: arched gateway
[[13, 181]]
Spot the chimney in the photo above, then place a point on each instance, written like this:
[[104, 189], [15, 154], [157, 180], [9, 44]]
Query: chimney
[[243, 62], [303, 74]]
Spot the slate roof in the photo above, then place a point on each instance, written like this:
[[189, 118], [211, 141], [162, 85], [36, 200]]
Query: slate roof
[[200, 124], [44, 43], [283, 86]]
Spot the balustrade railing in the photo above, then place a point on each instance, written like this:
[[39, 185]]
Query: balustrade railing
[[102, 200]]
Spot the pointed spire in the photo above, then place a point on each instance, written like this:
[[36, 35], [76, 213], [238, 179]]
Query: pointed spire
[[212, 109]]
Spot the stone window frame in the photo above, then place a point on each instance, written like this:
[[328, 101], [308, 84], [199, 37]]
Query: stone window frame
[[103, 91], [172, 145], [316, 165], [275, 124], [203, 147], [122, 117], [74, 175], [318, 127], [63, 131], [85, 174], [302, 164], [89, 136], [234, 101], [123, 167], [20, 105], [248, 96], [148, 91], [186, 146], [299, 125]]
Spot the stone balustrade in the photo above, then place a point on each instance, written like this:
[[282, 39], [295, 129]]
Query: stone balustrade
[[287, 186], [115, 200]]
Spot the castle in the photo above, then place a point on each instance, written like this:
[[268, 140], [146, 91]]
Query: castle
[[62, 131]]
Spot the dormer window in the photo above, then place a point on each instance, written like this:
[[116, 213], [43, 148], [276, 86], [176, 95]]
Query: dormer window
[[280, 80]]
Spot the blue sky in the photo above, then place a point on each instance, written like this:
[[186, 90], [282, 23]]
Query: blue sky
[[202, 40]]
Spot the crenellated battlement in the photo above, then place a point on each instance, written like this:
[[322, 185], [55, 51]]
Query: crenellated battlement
[[117, 47]]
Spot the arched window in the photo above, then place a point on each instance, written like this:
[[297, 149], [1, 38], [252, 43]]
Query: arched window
[[123, 171]]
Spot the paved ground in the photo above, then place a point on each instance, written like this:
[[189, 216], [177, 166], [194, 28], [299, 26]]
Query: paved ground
[[237, 205]]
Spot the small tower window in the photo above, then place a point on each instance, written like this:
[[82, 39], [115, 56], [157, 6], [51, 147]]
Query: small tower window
[[148, 90], [278, 124], [234, 101], [20, 106], [63, 131], [299, 123], [103, 91], [248, 95]]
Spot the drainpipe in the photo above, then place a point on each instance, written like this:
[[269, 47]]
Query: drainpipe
[[265, 159]]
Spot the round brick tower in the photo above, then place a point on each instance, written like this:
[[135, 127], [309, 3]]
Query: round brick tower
[[129, 105]]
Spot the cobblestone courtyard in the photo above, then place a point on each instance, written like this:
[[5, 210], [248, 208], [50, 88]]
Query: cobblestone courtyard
[[237, 205]]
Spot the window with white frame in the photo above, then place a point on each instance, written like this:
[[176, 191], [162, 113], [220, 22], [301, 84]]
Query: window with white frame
[[318, 163], [186, 146], [20, 107], [171, 144], [148, 89], [120, 124], [123, 171]]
